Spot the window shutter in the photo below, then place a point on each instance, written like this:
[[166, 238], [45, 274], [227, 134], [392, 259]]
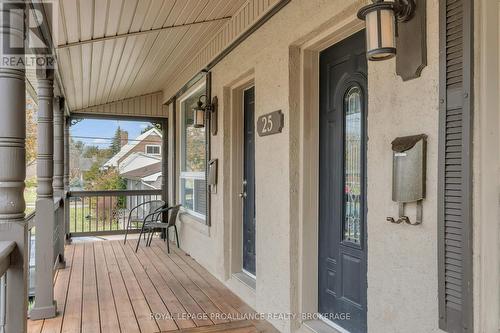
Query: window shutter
[[455, 166]]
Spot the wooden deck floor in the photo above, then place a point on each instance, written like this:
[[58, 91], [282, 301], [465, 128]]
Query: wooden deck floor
[[107, 287]]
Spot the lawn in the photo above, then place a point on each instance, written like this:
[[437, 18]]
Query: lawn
[[84, 219], [30, 198]]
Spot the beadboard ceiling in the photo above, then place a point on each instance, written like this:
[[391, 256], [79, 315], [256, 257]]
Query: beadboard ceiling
[[111, 50]]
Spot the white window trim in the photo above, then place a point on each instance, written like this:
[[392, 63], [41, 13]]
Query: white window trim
[[186, 174], [147, 146]]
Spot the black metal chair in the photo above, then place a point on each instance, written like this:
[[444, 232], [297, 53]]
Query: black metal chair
[[149, 207], [152, 222]]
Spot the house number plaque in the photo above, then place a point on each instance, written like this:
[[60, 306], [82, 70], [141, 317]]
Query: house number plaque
[[270, 123]]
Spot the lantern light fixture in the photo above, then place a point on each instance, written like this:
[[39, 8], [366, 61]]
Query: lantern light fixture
[[202, 111], [397, 26], [381, 19]]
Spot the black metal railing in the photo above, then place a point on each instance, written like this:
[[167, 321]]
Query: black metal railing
[[93, 213]]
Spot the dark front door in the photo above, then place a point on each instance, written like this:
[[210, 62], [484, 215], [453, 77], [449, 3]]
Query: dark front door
[[249, 182], [342, 155]]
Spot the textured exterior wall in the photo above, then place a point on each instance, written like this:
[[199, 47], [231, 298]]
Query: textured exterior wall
[[402, 259]]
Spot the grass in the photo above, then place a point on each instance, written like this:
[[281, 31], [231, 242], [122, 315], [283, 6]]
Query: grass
[[30, 198], [84, 219]]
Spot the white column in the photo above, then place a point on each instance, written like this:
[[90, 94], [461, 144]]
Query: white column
[[45, 306], [13, 170]]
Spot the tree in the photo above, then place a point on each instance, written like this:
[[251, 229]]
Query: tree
[[98, 179], [31, 130], [95, 152], [91, 151], [76, 149], [195, 149], [150, 126], [116, 143]]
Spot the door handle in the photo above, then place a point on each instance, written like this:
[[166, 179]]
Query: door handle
[[243, 195]]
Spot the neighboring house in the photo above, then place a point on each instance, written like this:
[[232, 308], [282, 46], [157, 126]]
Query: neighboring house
[[141, 171], [82, 165], [139, 163], [148, 143]]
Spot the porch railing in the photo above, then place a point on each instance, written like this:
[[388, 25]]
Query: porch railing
[[58, 230], [6, 248], [30, 221], [94, 213]]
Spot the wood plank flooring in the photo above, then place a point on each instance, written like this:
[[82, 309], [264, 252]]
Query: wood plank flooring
[[107, 287]]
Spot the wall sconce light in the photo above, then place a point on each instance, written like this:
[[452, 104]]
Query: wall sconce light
[[397, 27], [202, 112], [199, 113]]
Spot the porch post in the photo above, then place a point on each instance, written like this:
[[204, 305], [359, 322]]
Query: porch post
[[59, 177], [58, 147], [45, 306], [13, 169], [66, 176], [164, 162]]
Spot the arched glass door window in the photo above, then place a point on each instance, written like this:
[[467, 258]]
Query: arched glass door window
[[353, 181]]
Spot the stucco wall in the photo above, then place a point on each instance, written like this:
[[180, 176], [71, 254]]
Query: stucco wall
[[402, 259]]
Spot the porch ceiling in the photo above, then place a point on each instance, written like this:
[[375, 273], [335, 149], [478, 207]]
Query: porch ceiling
[[111, 50]]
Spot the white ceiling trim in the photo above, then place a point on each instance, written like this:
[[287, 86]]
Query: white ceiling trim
[[249, 14], [137, 33], [117, 49], [149, 105]]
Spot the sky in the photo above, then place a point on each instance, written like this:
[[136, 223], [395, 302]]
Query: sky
[[98, 132]]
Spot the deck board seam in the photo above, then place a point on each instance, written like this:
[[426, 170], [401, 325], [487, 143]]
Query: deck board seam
[[166, 285], [217, 300], [167, 269], [126, 290], [107, 276], [127, 286], [189, 293], [141, 284], [215, 283]]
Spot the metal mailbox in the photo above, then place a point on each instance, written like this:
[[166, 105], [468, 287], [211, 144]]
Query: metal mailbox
[[408, 173], [212, 175], [408, 168]]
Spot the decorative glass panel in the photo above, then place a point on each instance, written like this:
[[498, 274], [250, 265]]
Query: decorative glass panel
[[352, 165]]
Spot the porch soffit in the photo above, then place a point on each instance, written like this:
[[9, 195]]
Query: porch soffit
[[149, 105], [120, 56], [229, 35]]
